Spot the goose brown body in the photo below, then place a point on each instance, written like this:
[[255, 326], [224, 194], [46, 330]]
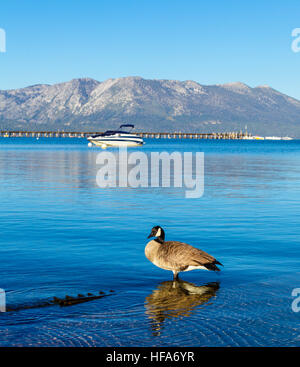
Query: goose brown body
[[177, 256]]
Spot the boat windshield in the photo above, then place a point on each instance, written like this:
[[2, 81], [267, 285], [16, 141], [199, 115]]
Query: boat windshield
[[113, 132]]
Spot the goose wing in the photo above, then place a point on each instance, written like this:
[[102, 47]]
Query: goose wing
[[184, 255]]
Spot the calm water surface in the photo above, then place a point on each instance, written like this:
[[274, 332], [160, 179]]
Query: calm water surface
[[63, 235]]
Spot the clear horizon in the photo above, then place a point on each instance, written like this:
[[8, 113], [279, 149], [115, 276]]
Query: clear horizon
[[210, 43]]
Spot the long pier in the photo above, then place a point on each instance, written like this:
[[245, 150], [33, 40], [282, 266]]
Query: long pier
[[156, 135]]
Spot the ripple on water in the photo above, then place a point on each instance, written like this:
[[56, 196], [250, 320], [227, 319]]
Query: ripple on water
[[171, 314]]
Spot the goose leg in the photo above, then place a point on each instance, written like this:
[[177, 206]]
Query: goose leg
[[175, 275]]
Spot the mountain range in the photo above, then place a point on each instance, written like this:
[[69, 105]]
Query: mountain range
[[152, 105]]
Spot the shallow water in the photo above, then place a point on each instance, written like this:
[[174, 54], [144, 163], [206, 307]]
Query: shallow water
[[61, 234]]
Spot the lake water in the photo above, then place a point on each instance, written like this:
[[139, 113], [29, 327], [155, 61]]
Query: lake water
[[63, 235]]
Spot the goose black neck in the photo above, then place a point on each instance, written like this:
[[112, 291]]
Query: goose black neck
[[161, 238]]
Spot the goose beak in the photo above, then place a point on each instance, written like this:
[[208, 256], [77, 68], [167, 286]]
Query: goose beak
[[151, 235]]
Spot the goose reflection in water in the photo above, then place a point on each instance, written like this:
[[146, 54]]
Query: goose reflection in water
[[176, 299]]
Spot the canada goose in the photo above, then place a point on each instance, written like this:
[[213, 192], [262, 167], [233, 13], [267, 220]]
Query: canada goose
[[177, 256]]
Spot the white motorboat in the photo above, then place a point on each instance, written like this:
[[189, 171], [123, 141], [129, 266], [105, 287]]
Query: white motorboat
[[117, 138], [255, 137], [273, 138]]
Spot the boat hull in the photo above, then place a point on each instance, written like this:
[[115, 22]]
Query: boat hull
[[116, 141], [101, 143]]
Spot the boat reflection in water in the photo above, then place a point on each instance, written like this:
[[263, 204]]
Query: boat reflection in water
[[173, 299]]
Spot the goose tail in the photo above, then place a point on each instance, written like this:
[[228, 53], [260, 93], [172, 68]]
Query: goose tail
[[211, 266]]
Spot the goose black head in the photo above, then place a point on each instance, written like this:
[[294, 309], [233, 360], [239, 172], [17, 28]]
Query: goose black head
[[157, 232]]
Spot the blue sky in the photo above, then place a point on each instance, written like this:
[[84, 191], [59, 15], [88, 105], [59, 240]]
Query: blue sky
[[210, 42]]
